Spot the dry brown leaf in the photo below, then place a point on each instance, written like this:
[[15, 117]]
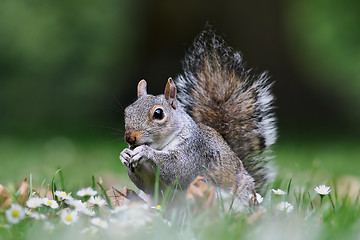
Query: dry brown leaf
[[116, 197], [5, 198], [348, 186], [23, 192], [124, 197], [255, 216], [201, 193], [132, 196], [43, 192]]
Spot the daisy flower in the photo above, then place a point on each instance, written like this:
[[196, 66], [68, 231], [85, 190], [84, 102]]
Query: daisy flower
[[80, 206], [34, 202], [77, 204], [256, 199], [285, 207], [15, 213], [118, 209], [86, 211], [278, 191], [134, 217], [92, 230], [99, 222], [113, 220], [51, 203], [86, 192], [37, 216], [68, 216], [97, 201], [63, 195], [49, 226], [157, 208], [322, 190]]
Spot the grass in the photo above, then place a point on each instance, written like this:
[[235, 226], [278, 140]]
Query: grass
[[78, 158], [302, 166]]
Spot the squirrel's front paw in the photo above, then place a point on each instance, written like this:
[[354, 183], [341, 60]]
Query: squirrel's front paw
[[132, 158], [125, 156], [139, 154]]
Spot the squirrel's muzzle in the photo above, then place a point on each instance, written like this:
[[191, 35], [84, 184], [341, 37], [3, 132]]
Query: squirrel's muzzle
[[132, 137]]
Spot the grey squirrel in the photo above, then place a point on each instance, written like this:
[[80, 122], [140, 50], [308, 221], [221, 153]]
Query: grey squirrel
[[216, 120]]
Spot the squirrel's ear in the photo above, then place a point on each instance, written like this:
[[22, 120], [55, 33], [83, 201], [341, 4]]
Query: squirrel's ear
[[170, 92], [141, 88]]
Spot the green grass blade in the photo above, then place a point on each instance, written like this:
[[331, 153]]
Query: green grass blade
[[311, 204], [103, 191], [31, 185], [93, 182], [156, 188], [332, 203], [288, 189], [169, 195], [62, 181], [335, 189], [53, 185], [357, 198], [53, 190], [42, 185]]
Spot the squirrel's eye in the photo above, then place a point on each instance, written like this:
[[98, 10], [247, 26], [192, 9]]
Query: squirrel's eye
[[158, 114]]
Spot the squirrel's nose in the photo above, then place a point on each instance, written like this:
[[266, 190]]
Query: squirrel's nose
[[132, 136]]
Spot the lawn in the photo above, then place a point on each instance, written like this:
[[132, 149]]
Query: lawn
[[302, 165], [81, 158], [78, 158]]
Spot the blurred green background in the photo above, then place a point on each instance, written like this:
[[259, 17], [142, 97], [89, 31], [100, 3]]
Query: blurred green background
[[69, 68]]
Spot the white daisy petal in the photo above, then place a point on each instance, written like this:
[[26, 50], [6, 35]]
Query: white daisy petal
[[256, 199], [97, 201], [15, 213], [86, 192], [92, 230], [68, 217], [49, 226], [322, 190], [34, 202], [77, 204], [51, 203], [63, 195], [87, 211], [99, 222], [285, 207], [278, 191]]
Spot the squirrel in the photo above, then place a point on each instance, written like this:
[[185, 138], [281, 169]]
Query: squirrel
[[216, 120]]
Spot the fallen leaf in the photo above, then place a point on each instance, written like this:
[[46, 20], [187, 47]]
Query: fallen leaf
[[132, 196], [256, 216], [116, 197], [201, 193], [42, 192], [23, 192], [5, 198], [124, 197], [348, 186]]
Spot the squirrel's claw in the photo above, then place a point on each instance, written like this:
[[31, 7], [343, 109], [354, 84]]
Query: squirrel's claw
[[132, 158], [125, 156], [139, 154]]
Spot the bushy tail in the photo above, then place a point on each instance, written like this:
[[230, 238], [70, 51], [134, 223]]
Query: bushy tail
[[218, 91]]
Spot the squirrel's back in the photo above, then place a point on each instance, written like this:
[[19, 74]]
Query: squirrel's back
[[218, 91]]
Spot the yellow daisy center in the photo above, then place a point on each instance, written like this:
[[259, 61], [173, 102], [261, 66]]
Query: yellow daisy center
[[68, 218], [15, 213]]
